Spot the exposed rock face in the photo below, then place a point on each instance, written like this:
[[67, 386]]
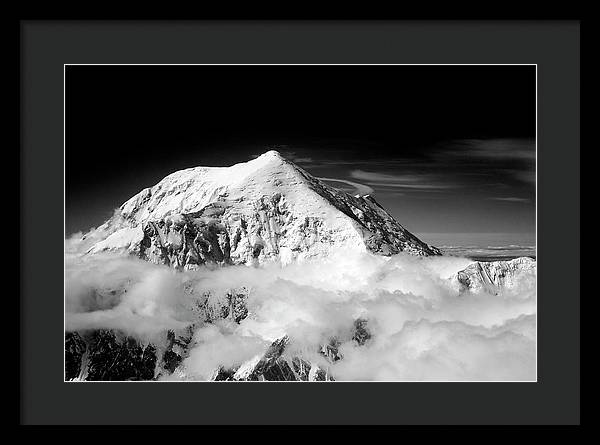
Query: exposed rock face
[[274, 365], [75, 348], [495, 275], [232, 307], [108, 355], [277, 365], [112, 355], [361, 332], [267, 209]]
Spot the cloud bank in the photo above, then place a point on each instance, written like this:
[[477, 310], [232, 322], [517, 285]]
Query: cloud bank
[[422, 326]]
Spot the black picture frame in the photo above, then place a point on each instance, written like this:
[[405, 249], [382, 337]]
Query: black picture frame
[[47, 45]]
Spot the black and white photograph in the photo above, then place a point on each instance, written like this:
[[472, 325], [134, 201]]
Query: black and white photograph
[[309, 223]]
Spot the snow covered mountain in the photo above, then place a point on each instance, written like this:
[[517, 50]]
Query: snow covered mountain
[[495, 275], [258, 211], [252, 213]]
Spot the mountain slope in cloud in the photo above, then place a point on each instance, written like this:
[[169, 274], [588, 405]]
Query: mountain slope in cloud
[[267, 209], [495, 275], [344, 317]]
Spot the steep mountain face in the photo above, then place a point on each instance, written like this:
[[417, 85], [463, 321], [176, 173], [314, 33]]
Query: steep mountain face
[[267, 209], [107, 355], [495, 275], [274, 365], [112, 355]]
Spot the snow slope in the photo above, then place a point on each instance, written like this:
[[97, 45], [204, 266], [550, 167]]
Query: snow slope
[[495, 275], [266, 209]]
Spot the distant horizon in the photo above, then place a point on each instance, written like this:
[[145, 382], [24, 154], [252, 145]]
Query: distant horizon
[[483, 246]]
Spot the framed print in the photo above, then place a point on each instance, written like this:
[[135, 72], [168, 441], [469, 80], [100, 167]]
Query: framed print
[[341, 223], [285, 259]]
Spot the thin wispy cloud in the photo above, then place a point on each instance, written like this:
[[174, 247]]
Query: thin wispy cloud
[[511, 199], [359, 189], [403, 181], [376, 176], [512, 149], [412, 186], [513, 158], [527, 176], [302, 160]]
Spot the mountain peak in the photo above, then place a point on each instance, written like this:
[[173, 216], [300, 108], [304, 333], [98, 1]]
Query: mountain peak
[[270, 157], [252, 212], [271, 154]]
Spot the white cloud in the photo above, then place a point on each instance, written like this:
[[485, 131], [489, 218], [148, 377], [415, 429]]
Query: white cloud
[[512, 149], [422, 327], [443, 350], [412, 181], [359, 189], [218, 345]]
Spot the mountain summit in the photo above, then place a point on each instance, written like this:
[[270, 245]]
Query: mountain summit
[[266, 209]]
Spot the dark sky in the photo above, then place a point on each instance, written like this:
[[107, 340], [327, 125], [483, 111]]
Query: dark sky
[[446, 149]]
